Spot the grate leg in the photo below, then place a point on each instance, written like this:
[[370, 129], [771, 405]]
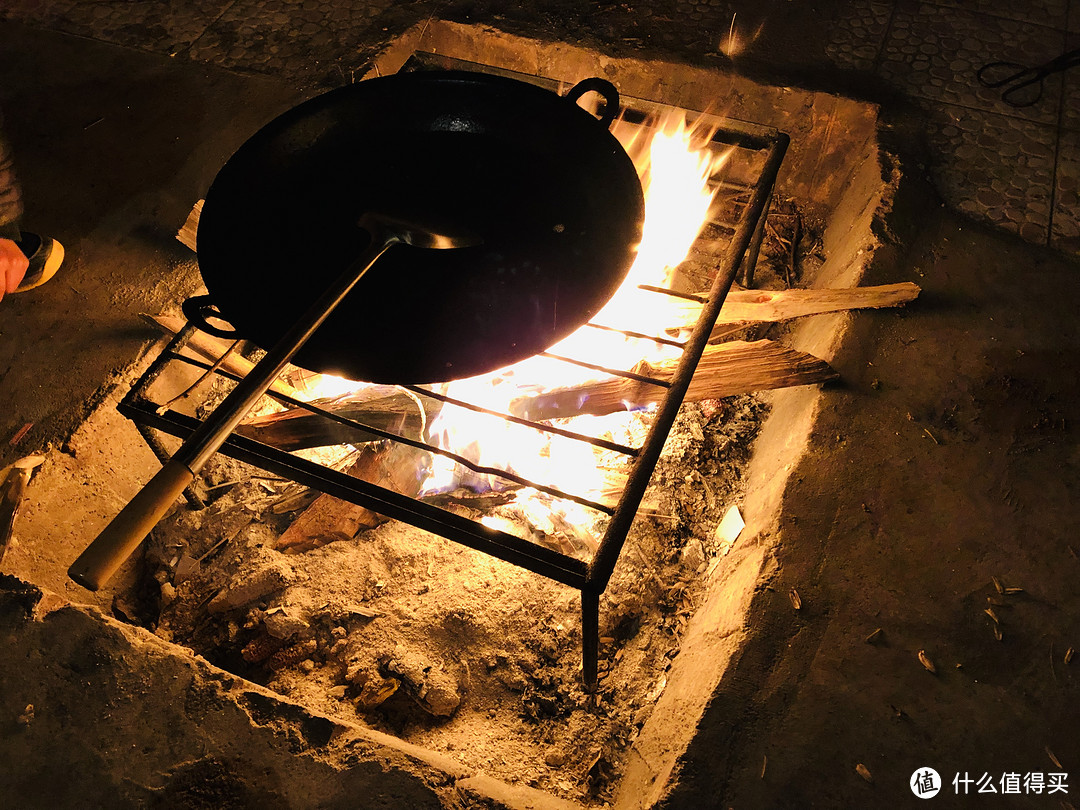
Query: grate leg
[[590, 638], [751, 257]]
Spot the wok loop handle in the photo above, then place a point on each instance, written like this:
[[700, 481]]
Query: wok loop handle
[[198, 308], [607, 91]]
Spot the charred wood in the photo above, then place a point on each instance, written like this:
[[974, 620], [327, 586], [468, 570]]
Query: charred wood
[[396, 467], [381, 407]]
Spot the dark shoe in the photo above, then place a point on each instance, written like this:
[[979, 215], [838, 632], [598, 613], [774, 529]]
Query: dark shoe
[[45, 255]]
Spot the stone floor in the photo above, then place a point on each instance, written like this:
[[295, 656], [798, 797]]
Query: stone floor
[[1016, 168]]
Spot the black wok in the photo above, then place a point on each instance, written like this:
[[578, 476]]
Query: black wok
[[552, 196]]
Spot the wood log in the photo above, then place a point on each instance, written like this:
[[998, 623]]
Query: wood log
[[741, 369], [726, 369], [396, 467], [383, 407], [745, 307], [211, 348], [758, 306]]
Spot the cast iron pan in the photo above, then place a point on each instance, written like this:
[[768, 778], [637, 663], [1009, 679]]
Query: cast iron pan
[[551, 193]]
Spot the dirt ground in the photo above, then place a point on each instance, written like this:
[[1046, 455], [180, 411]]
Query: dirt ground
[[933, 513]]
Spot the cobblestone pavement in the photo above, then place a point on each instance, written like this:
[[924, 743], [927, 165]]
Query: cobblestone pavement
[[1016, 167]]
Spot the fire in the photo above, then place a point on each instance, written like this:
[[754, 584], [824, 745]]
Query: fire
[[676, 182], [675, 166]]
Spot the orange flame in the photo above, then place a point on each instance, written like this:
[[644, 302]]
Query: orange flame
[[676, 181]]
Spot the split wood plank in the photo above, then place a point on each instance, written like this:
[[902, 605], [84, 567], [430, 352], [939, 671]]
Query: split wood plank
[[725, 369], [188, 231], [736, 367], [758, 306], [745, 307]]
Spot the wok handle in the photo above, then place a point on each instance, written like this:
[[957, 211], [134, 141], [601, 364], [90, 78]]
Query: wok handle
[[198, 308], [606, 89], [96, 565], [128, 529]]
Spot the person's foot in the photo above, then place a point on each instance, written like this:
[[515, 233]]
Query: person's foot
[[45, 255]]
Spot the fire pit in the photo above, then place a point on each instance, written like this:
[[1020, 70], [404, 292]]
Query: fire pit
[[763, 151]]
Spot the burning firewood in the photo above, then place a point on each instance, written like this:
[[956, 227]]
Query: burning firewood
[[757, 306], [383, 407], [391, 465], [736, 367], [726, 369]]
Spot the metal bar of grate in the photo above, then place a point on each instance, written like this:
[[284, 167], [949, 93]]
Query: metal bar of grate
[[603, 561], [614, 372], [505, 546], [676, 344], [480, 469], [614, 447], [685, 296]]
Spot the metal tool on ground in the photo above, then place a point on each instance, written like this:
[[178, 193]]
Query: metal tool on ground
[[1022, 86]]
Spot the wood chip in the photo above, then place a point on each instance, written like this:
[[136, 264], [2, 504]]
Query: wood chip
[[1013, 591], [361, 610], [864, 772], [764, 764], [924, 659], [997, 585], [20, 433], [1053, 759], [796, 600], [728, 531], [1068, 655], [873, 637], [997, 632], [990, 612]]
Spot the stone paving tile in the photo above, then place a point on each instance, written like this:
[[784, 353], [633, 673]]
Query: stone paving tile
[[1070, 111], [934, 52], [995, 168], [1052, 13], [146, 25], [299, 42], [1065, 228], [858, 37]]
